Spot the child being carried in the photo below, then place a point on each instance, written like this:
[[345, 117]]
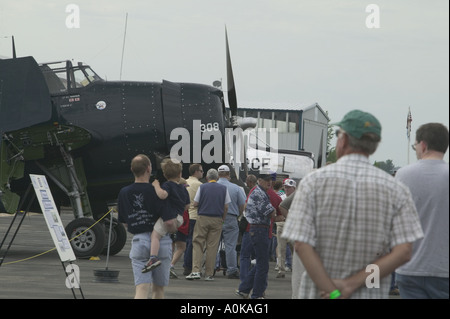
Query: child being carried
[[178, 201]]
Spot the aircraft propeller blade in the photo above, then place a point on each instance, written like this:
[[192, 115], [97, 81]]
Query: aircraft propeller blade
[[232, 103], [232, 100]]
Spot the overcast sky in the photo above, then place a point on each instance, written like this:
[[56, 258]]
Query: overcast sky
[[288, 52]]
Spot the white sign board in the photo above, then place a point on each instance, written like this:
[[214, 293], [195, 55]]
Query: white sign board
[[52, 218]]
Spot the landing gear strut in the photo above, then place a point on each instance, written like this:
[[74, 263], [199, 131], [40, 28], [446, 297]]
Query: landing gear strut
[[88, 237]]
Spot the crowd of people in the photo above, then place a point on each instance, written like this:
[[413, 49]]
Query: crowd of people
[[331, 227]]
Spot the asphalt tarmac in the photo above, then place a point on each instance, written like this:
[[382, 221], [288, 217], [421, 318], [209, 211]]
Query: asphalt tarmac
[[44, 276], [33, 278]]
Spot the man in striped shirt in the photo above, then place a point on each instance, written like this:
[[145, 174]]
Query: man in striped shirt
[[353, 224]]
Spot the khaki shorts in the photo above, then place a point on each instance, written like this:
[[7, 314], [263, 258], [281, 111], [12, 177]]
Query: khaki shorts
[[161, 229]]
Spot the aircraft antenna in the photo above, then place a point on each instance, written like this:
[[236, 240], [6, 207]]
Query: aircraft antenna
[[123, 46], [14, 48]]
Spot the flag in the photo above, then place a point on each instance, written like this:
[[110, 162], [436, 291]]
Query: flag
[[408, 124]]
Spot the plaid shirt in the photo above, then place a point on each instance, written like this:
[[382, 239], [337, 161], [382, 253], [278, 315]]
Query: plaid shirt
[[352, 213]]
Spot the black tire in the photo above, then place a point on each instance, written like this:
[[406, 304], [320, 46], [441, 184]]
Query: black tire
[[91, 242], [118, 236]]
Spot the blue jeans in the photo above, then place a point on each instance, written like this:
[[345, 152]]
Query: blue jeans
[[273, 242], [393, 281], [422, 287], [187, 261], [247, 252], [257, 276], [288, 257], [230, 233], [140, 254]]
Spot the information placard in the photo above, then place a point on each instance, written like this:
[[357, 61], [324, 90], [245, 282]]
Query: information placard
[[52, 218]]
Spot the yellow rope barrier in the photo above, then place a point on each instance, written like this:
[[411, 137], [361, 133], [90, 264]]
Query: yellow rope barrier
[[46, 252]]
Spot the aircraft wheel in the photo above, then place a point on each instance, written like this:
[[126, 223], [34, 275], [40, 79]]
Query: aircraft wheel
[[118, 237], [86, 242]]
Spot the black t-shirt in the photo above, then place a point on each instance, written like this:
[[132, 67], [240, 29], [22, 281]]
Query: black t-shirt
[[139, 207], [178, 198]]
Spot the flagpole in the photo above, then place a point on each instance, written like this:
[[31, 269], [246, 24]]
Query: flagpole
[[409, 143], [408, 130]]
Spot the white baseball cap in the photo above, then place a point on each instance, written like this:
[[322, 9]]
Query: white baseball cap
[[224, 168]]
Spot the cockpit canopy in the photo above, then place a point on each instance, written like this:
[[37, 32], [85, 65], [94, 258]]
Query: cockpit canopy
[[62, 76]]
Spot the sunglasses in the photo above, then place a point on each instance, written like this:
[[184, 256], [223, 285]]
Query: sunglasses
[[338, 131]]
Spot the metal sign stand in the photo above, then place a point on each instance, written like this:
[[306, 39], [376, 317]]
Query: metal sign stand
[[106, 275], [75, 283], [25, 197], [65, 252]]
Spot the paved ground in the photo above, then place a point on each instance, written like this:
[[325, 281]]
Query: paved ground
[[44, 277]]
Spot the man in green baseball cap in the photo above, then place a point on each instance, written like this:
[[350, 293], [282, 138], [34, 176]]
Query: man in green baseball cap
[[357, 123], [348, 215], [360, 133]]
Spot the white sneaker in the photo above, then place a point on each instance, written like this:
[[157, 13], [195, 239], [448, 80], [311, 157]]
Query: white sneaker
[[241, 294], [209, 278], [193, 275]]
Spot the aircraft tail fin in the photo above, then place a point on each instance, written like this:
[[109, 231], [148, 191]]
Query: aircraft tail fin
[[24, 95]]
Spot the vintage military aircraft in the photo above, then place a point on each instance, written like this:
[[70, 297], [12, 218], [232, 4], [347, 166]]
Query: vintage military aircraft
[[62, 120]]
